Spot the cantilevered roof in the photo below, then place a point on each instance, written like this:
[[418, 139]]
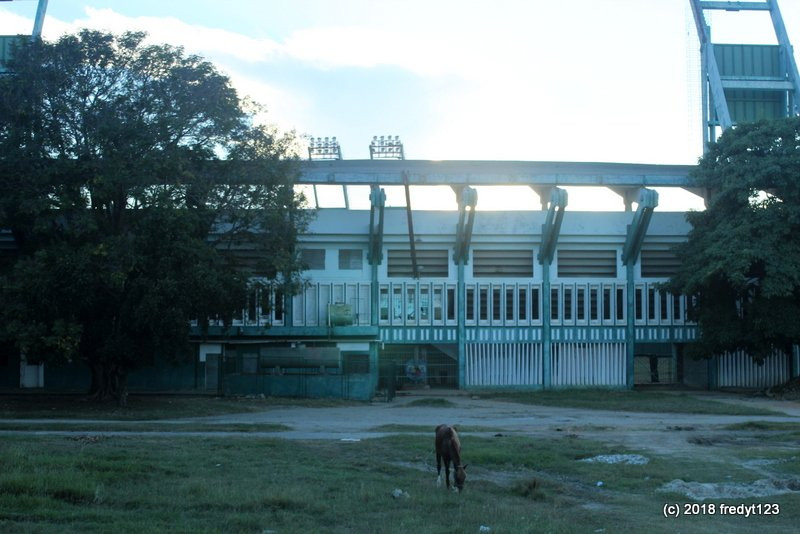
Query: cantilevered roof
[[466, 172]]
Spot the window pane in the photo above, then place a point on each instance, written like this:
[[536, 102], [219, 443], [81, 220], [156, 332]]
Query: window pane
[[437, 303], [350, 259], [313, 258], [554, 303], [639, 304], [384, 304], [522, 304], [397, 304], [424, 304], [278, 305], [567, 303], [451, 304], [664, 301], [411, 303]]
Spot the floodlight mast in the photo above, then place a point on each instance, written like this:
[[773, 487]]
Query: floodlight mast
[[38, 22], [730, 95], [388, 147]]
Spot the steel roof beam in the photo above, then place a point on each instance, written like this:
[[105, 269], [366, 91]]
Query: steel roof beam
[[467, 198], [377, 197], [552, 225], [736, 6], [469, 173], [648, 201]]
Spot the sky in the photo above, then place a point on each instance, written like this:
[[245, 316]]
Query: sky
[[533, 80]]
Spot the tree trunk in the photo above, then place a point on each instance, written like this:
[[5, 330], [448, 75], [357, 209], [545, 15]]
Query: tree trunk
[[109, 383]]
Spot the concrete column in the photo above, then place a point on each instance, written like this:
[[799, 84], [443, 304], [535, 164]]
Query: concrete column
[[461, 311], [630, 327], [374, 315], [547, 376]]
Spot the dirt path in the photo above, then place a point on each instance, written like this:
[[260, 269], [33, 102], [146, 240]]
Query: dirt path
[[656, 432], [702, 437], [659, 432]]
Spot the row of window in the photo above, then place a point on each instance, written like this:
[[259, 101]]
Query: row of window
[[655, 263], [495, 304]]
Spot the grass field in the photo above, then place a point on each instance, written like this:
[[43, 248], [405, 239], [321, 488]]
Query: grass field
[[152, 482], [241, 484], [144, 407], [154, 407], [625, 401]]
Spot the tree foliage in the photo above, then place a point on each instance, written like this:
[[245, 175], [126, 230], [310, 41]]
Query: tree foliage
[[742, 257], [130, 176]]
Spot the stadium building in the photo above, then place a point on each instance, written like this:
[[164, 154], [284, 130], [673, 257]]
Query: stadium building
[[399, 299]]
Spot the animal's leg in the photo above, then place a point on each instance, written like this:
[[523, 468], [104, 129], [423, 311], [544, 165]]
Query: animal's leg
[[438, 470], [447, 471]]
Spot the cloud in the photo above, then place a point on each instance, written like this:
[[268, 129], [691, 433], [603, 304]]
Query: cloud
[[210, 42], [284, 108], [13, 24], [341, 46]]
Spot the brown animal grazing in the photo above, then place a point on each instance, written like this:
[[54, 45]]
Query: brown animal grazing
[[448, 447]]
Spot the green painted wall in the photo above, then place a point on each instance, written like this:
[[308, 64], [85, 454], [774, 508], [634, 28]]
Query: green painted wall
[[356, 386]]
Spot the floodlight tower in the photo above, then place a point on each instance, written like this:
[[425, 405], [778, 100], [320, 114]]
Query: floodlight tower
[[744, 83], [388, 147], [7, 40], [326, 149]]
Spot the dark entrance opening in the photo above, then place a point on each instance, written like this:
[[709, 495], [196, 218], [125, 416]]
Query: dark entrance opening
[[419, 367]]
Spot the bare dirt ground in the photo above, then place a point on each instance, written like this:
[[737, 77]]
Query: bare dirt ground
[[657, 432], [702, 437], [699, 436]]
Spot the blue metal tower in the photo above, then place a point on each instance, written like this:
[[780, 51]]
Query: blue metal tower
[[743, 83], [7, 40]]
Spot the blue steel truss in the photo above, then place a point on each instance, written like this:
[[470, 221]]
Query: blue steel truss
[[736, 74], [465, 172]]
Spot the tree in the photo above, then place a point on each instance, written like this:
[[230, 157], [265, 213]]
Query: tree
[[742, 258], [130, 176]]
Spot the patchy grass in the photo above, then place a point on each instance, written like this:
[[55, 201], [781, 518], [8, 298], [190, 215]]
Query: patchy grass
[[124, 426], [242, 484], [625, 401], [765, 425], [428, 402], [770, 431], [394, 427], [145, 407]]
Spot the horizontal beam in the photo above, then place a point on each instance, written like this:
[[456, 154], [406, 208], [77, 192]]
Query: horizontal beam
[[736, 6], [551, 173], [764, 85]]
